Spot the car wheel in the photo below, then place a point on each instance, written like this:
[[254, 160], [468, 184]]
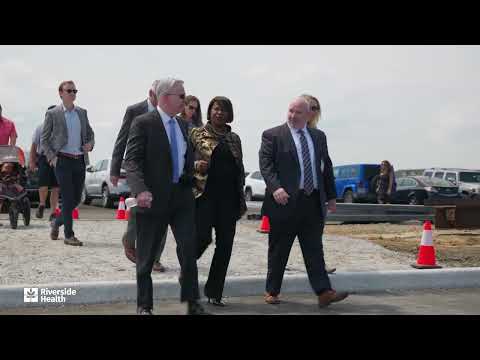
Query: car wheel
[[348, 197], [85, 199], [248, 195], [107, 201]]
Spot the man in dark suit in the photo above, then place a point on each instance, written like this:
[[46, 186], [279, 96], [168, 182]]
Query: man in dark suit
[[159, 165], [297, 169], [128, 239]]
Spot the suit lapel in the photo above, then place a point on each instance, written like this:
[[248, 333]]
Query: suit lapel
[[83, 124], [292, 146], [61, 119]]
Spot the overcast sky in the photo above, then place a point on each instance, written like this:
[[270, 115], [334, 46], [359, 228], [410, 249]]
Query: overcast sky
[[417, 106]]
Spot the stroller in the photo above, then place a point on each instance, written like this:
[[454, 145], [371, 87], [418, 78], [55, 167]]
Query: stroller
[[13, 194]]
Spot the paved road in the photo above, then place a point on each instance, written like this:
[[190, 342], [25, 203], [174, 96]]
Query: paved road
[[425, 302]]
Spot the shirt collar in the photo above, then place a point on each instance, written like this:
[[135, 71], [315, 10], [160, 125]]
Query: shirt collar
[[65, 109], [296, 130], [165, 117]]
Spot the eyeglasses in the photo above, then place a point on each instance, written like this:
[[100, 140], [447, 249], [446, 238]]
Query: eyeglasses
[[192, 107], [181, 96], [71, 91], [315, 108]]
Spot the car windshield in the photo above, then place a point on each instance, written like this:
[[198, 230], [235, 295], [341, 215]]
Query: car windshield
[[435, 182], [471, 177]]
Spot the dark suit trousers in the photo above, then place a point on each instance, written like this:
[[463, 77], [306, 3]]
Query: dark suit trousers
[[70, 175], [130, 236], [307, 223], [219, 213], [150, 230]]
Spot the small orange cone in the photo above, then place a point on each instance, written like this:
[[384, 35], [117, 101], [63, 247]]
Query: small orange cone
[[75, 214], [265, 225], [426, 254], [121, 210]]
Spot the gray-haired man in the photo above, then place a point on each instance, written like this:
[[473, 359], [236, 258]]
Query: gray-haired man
[[130, 235], [159, 164]]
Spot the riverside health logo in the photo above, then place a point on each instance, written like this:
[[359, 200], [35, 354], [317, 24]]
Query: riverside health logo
[[46, 295], [30, 295]]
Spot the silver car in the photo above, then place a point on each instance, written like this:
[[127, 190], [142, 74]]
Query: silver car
[[99, 186]]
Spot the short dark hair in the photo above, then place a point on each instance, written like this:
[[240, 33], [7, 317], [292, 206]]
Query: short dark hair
[[60, 87], [226, 105]]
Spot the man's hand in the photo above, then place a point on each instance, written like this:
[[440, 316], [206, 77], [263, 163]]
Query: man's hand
[[144, 199], [201, 166], [332, 205], [114, 180], [281, 196], [53, 162], [87, 147]]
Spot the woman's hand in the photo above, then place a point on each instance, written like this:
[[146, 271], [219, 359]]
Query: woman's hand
[[201, 166]]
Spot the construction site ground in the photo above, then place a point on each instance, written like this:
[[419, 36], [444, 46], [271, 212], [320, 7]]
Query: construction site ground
[[453, 247]]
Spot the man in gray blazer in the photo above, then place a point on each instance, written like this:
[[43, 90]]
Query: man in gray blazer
[[129, 237], [66, 140]]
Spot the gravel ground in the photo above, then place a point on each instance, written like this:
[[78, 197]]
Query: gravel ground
[[28, 256]]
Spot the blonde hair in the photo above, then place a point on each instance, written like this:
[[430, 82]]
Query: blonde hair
[[312, 100]]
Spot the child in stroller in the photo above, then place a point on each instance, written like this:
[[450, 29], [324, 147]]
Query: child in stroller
[[12, 185]]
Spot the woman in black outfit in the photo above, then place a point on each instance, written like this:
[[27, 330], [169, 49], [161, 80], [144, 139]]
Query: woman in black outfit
[[218, 189]]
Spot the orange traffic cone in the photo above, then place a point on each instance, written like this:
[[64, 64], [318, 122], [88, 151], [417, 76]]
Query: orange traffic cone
[[75, 214], [121, 209], [426, 254], [265, 225]]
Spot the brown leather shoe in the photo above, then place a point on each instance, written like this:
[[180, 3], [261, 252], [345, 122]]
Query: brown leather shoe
[[330, 296], [72, 241], [53, 230], [157, 266], [129, 252], [271, 299]]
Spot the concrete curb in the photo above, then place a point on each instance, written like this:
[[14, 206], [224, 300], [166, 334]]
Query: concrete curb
[[98, 292]]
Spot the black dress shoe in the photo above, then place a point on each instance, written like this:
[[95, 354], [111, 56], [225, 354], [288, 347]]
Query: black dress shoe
[[217, 302], [144, 311], [195, 308], [39, 213]]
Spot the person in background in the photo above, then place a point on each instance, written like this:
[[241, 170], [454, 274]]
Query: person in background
[[385, 183], [130, 235], [312, 122], [192, 113], [67, 138], [46, 174], [8, 133]]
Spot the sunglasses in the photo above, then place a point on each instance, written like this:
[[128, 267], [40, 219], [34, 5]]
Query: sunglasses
[[192, 107], [315, 108], [181, 96], [71, 91]]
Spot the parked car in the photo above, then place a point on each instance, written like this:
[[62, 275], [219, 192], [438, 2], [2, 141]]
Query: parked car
[[98, 184], [254, 186], [408, 172], [468, 181], [414, 190], [354, 182]]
